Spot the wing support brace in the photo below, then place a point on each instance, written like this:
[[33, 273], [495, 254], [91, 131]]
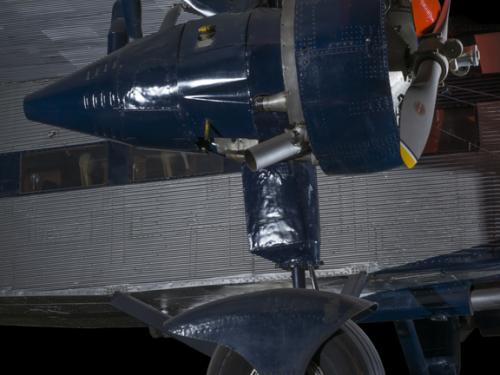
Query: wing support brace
[[277, 331], [126, 24]]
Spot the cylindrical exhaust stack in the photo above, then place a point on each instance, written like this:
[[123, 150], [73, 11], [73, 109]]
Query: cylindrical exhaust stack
[[271, 103], [282, 147], [485, 299]]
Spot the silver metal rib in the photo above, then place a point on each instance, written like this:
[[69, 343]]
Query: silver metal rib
[[294, 105]]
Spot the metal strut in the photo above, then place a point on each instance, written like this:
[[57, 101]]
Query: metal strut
[[298, 277], [276, 331]]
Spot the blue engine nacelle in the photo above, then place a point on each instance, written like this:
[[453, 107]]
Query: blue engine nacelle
[[313, 76], [160, 90]]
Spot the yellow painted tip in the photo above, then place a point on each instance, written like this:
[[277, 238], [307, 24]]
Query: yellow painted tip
[[408, 159]]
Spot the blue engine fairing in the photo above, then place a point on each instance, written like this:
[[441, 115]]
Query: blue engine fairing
[[159, 90], [343, 72], [282, 213]]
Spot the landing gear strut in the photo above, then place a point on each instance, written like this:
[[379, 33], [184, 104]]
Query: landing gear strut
[[282, 222]]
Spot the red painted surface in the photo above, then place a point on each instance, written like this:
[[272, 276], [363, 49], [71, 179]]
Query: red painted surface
[[425, 14], [489, 48]]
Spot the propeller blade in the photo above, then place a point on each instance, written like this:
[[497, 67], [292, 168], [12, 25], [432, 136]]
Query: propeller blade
[[417, 111], [171, 17], [132, 12]]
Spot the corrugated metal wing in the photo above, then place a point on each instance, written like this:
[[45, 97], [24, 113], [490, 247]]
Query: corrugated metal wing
[[194, 229]]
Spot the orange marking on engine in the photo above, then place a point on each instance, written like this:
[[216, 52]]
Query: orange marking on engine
[[425, 14]]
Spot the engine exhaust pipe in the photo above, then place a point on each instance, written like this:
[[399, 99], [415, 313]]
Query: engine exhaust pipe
[[271, 103], [284, 146], [485, 299]]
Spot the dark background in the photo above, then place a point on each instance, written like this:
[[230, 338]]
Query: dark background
[[117, 350], [121, 350]]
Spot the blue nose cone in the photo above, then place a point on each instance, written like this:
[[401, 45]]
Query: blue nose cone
[[78, 102]]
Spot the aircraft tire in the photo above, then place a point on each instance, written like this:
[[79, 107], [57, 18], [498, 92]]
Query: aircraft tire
[[348, 352]]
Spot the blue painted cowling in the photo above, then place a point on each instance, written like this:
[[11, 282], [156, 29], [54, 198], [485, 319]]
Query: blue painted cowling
[[343, 73], [159, 91]]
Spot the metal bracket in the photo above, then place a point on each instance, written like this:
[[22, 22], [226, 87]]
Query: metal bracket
[[412, 349], [355, 284], [139, 310], [154, 318], [430, 346], [312, 276]]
